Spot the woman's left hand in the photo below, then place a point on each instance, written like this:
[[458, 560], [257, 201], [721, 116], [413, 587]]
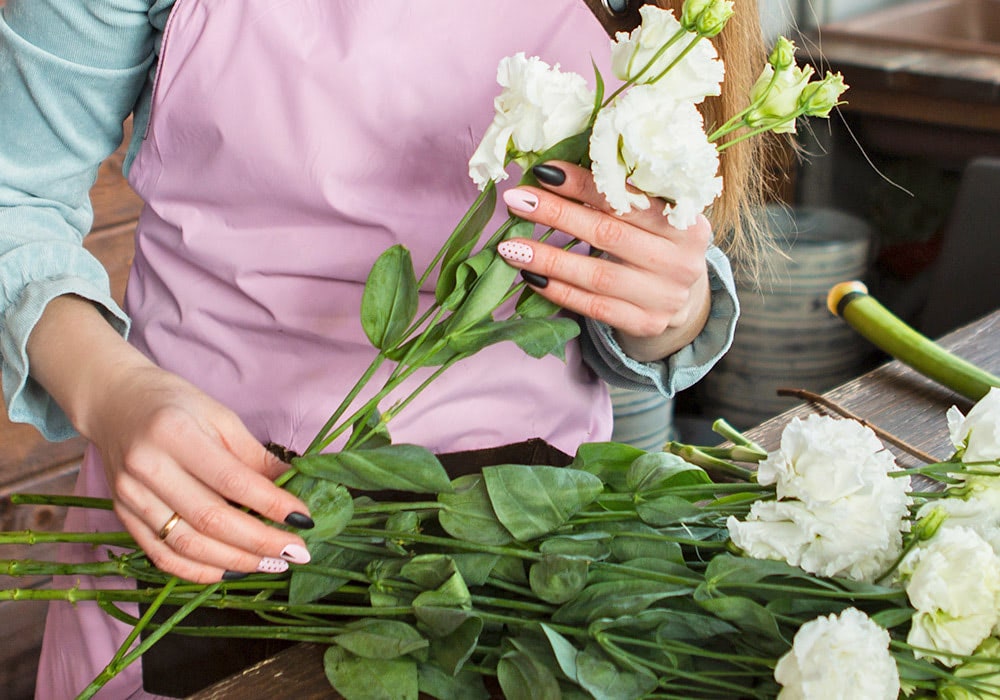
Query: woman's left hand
[[651, 285]]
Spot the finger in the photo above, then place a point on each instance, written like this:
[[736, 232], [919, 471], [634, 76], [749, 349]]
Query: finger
[[237, 467], [577, 183], [158, 479], [185, 553]]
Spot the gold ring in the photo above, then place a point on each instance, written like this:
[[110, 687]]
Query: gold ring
[[169, 525]]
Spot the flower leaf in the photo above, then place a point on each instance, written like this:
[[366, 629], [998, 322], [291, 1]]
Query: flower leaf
[[745, 613], [532, 305], [372, 638], [557, 579], [453, 650], [532, 501], [389, 301], [310, 584], [468, 514], [438, 683], [536, 337], [463, 240], [487, 277], [332, 507], [668, 510], [616, 598], [610, 461], [408, 468], [376, 679], [605, 680], [662, 470], [523, 676]]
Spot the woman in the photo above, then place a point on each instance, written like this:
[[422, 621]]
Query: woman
[[279, 148]]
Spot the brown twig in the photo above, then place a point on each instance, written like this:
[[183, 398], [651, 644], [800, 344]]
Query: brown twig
[[810, 396]]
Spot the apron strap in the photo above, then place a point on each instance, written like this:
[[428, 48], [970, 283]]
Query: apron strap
[[617, 15]]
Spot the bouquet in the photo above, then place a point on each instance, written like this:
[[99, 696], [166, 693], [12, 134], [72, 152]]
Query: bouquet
[[814, 571]]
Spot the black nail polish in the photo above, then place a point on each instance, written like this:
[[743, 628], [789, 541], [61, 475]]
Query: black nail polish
[[535, 280], [300, 521], [549, 174], [234, 576]]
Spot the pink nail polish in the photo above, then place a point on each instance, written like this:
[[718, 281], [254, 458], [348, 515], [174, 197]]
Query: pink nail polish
[[520, 200], [270, 565], [516, 251], [296, 554]]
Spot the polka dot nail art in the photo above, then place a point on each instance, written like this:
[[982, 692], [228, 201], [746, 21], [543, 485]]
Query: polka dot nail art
[[516, 251]]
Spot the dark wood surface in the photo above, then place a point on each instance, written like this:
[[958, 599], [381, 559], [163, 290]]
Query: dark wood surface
[[892, 397]]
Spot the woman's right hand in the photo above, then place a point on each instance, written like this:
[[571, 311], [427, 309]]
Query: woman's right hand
[[168, 448]]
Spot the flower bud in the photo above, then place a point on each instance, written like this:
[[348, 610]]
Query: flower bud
[[928, 525], [706, 17], [818, 98], [783, 54], [776, 98]]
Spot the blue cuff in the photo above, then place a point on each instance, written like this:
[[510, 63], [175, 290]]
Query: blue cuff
[[685, 367], [30, 277]]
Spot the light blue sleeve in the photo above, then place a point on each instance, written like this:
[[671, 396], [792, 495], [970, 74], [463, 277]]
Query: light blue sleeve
[[686, 366], [70, 73]]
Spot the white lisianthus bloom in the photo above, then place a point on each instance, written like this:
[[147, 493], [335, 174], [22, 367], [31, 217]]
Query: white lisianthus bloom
[[953, 583], [824, 459], [858, 537], [657, 144], [776, 97], [698, 75], [845, 656], [838, 511], [538, 107], [977, 435]]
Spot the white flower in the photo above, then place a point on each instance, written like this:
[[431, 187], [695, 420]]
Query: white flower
[[538, 107], [953, 583], [977, 435], [823, 459], [776, 97], [649, 139], [696, 76], [839, 657], [857, 537], [839, 512]]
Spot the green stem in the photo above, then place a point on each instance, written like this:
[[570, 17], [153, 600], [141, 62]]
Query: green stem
[[868, 317], [31, 537], [46, 499], [446, 542], [726, 430]]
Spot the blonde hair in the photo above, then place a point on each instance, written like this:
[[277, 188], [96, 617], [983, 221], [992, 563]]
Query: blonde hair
[[748, 168]]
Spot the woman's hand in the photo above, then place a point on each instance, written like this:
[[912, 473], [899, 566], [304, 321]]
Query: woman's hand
[[651, 285], [168, 449]]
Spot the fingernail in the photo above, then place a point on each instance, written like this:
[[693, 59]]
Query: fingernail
[[535, 280], [300, 521], [296, 554], [516, 251], [233, 575], [270, 565], [549, 174], [520, 200]]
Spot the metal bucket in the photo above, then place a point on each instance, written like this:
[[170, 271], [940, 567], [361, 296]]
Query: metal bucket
[[786, 337]]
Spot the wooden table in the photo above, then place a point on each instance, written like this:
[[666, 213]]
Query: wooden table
[[892, 397]]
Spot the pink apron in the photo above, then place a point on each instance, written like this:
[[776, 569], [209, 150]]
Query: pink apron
[[289, 144]]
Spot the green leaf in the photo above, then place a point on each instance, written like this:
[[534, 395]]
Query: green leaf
[[429, 570], [475, 567], [393, 467], [511, 570], [572, 149], [668, 510], [373, 638], [437, 683], [893, 617], [468, 513], [491, 285], [522, 677], [595, 546], [635, 542], [307, 587], [557, 579], [536, 337], [728, 571], [745, 613], [331, 507], [685, 626], [616, 598], [532, 305], [358, 678], [605, 680], [453, 650], [427, 339], [462, 241], [662, 470], [389, 301], [532, 501], [565, 653], [377, 432], [610, 461]]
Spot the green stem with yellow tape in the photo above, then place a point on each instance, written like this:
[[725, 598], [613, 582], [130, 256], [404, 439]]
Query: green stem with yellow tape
[[864, 313]]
